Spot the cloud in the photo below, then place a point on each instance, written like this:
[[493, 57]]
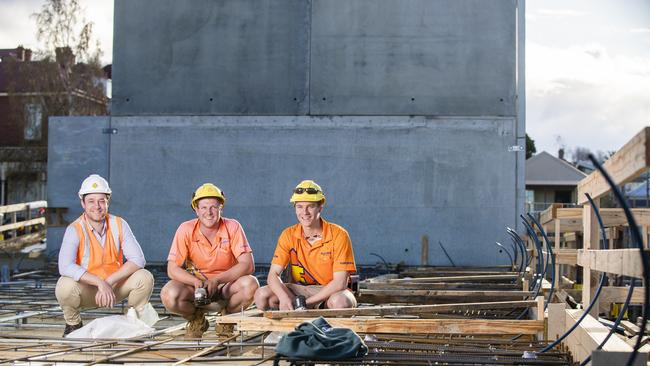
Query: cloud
[[640, 30], [585, 94], [557, 13]]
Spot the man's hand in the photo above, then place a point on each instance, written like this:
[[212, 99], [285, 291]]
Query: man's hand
[[198, 283], [286, 303], [105, 296], [212, 286]]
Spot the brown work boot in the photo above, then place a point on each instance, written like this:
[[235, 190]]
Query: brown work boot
[[197, 325]]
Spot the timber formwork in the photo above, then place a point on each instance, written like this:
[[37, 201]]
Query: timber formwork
[[490, 330]]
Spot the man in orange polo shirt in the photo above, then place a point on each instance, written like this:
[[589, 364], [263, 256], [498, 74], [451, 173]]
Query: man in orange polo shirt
[[209, 252], [319, 253]]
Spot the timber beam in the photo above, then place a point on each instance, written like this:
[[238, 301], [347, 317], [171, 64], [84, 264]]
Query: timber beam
[[626, 164], [396, 310], [626, 262], [394, 326]]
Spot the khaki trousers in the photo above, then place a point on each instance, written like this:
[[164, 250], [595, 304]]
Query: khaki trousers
[[74, 296]]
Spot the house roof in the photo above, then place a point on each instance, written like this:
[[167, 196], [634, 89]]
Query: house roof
[[545, 169], [639, 192]]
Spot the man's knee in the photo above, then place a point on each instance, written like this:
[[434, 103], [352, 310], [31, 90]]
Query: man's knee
[[249, 286], [143, 279], [170, 295], [66, 290], [342, 300], [262, 297]]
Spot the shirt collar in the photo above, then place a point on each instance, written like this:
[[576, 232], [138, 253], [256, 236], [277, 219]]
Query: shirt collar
[[101, 232], [197, 235], [327, 233]]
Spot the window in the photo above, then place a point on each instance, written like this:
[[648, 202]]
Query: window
[[33, 118]]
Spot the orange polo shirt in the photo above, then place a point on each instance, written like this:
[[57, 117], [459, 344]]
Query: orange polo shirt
[[315, 264], [190, 243]]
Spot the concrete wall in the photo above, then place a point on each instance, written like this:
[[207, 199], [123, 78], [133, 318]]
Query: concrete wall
[[405, 111], [332, 57], [388, 180], [77, 147]]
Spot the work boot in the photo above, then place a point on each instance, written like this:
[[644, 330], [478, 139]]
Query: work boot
[[197, 325], [69, 328]]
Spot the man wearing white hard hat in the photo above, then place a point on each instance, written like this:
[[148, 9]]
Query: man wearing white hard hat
[[319, 254], [101, 263]]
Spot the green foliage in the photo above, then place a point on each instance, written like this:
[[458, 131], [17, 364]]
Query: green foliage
[[530, 147]]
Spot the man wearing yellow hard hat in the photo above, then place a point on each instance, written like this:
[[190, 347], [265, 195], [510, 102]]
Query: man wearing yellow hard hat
[[210, 252], [92, 259], [319, 253]]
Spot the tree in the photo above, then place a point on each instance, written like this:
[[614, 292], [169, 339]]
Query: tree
[[65, 77], [530, 147]]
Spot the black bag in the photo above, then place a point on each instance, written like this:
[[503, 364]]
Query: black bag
[[317, 340]]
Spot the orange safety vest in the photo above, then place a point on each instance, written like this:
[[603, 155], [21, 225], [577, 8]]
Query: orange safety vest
[[102, 262]]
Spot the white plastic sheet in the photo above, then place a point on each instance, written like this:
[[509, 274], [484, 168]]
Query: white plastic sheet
[[119, 326]]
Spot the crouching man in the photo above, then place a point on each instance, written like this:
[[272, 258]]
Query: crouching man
[[91, 259], [210, 252], [319, 253]]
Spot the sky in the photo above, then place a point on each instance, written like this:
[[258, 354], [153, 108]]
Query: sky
[[587, 66]]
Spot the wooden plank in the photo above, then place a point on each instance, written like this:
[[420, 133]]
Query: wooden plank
[[625, 262], [569, 213], [480, 278], [440, 286], [424, 254], [591, 236], [612, 294], [629, 162], [19, 224], [397, 310], [395, 326], [22, 206], [17, 243], [590, 333], [566, 256], [549, 214], [568, 225], [556, 320], [434, 293]]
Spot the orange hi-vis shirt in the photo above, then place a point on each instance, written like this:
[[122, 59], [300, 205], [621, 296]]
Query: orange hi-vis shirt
[[315, 264], [210, 260], [98, 260]]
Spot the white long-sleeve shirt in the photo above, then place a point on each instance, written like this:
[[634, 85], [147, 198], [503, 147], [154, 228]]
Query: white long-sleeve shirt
[[70, 245]]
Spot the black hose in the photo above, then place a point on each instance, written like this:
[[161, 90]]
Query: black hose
[[516, 244], [538, 245], [550, 254], [634, 230]]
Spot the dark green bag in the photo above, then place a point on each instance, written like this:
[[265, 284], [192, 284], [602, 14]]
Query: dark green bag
[[317, 340]]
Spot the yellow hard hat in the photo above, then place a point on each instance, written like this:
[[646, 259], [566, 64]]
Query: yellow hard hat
[[208, 190], [308, 191]]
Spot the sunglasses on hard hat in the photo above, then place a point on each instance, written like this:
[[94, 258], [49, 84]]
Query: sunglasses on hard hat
[[305, 190]]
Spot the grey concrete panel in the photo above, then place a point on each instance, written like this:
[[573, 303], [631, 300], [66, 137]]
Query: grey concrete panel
[[77, 147], [211, 57], [415, 57], [388, 180]]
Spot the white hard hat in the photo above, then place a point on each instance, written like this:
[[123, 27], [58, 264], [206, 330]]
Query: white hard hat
[[94, 184]]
